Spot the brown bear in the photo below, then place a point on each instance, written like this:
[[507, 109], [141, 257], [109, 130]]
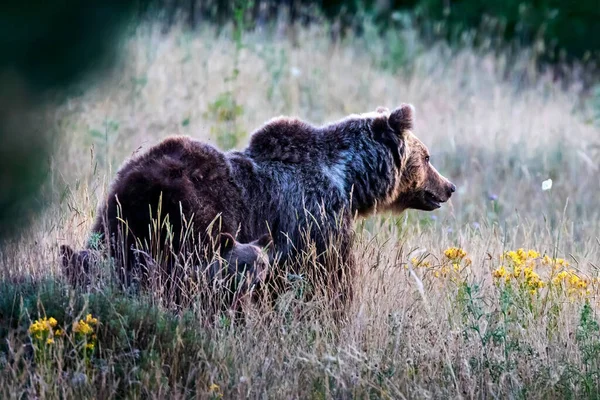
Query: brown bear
[[231, 277], [235, 275], [302, 184]]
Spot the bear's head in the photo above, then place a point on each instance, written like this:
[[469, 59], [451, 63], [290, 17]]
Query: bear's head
[[240, 268], [76, 264], [419, 185], [245, 263]]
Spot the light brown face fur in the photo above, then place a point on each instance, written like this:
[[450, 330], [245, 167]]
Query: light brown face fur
[[418, 184], [422, 187]]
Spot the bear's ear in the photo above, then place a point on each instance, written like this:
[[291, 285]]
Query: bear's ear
[[226, 241], [402, 118], [263, 241]]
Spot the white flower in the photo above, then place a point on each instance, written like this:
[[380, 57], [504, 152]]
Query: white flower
[[547, 184]]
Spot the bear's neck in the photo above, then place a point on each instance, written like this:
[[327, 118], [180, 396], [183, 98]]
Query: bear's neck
[[371, 176], [362, 162]]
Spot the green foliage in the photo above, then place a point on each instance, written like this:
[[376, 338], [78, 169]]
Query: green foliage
[[588, 340], [133, 338], [571, 26], [568, 28]]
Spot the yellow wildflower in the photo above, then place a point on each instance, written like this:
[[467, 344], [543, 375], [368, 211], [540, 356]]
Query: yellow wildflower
[[562, 262], [500, 272], [546, 260], [513, 258], [573, 283], [42, 326], [455, 253], [556, 263], [533, 254], [533, 280], [561, 276], [420, 263], [90, 320], [520, 257], [517, 271], [90, 346], [215, 389], [82, 327], [49, 341]]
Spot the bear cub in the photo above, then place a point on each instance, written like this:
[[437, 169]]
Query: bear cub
[[237, 270]]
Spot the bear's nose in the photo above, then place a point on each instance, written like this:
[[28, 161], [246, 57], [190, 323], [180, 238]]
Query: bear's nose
[[451, 189]]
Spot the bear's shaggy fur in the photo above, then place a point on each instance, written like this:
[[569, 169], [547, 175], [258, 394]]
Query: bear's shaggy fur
[[299, 183]]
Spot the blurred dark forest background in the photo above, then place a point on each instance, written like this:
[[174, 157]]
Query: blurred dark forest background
[[569, 29], [48, 46]]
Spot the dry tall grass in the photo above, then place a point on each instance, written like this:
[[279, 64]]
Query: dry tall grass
[[495, 130]]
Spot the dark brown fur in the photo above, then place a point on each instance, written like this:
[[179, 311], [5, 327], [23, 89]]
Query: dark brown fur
[[301, 183]]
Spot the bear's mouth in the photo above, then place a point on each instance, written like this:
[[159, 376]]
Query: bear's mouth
[[432, 201]]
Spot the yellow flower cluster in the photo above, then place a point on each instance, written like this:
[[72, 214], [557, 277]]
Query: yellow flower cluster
[[215, 390], [44, 330], [457, 261], [420, 263], [532, 280], [555, 263], [456, 255], [502, 273], [520, 257], [42, 326], [573, 283], [85, 327], [519, 268]]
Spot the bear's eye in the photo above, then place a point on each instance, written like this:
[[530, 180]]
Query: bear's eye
[[426, 158]]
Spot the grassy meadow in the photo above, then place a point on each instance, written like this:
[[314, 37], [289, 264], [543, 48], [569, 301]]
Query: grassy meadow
[[495, 295]]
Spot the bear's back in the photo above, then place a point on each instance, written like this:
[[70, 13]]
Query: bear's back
[[287, 140], [178, 175], [176, 157]]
